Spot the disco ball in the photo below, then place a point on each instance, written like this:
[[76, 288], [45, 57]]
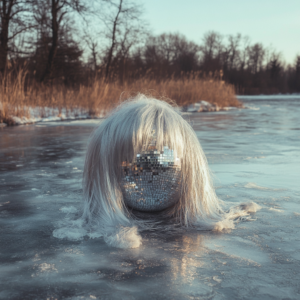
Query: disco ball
[[152, 181]]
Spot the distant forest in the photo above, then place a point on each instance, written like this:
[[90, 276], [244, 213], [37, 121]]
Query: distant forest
[[71, 41]]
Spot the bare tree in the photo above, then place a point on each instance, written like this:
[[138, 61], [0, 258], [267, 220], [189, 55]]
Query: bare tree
[[213, 53], [90, 41], [67, 63], [212, 45], [92, 44], [234, 43], [297, 74], [244, 53], [15, 19], [256, 55], [124, 29], [275, 67], [57, 9], [172, 50], [168, 46]]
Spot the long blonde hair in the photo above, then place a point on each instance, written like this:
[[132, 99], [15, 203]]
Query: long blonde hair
[[120, 137]]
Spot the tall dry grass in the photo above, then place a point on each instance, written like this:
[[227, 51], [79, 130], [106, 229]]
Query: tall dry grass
[[13, 98], [18, 96]]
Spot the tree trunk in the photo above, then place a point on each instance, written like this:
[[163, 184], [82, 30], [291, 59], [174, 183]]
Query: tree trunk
[[94, 53], [4, 42], [52, 53], [113, 41]]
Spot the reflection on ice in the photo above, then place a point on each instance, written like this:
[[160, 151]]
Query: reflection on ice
[[257, 260]]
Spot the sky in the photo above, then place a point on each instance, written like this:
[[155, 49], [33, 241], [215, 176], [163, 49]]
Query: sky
[[274, 23]]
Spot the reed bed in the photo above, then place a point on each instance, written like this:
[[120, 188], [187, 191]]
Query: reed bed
[[18, 95]]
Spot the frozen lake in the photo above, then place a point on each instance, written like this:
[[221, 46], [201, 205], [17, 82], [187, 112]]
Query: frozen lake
[[255, 156]]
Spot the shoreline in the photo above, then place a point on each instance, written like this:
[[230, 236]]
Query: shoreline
[[55, 115], [61, 115]]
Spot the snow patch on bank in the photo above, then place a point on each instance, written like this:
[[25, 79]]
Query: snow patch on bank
[[204, 106], [47, 114]]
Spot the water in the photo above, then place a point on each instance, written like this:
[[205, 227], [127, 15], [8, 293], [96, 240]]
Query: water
[[255, 156]]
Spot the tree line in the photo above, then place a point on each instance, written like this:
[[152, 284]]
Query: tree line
[[70, 41]]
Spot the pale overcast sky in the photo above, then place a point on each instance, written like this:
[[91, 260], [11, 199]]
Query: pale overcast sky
[[270, 22]]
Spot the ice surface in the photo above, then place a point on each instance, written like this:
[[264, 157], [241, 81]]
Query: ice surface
[[255, 157]]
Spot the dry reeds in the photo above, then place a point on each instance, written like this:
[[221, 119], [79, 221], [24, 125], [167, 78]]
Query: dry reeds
[[17, 96], [12, 96]]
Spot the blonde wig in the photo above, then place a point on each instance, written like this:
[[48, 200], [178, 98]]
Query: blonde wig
[[120, 137]]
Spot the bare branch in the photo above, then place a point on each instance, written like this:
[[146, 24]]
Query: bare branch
[[20, 31]]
